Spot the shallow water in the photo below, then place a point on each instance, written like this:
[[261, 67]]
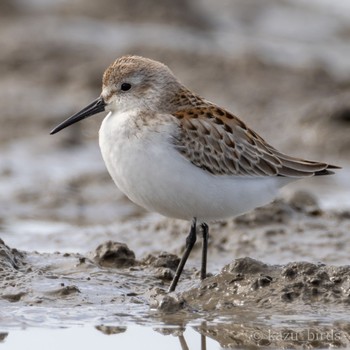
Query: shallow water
[[132, 337], [107, 337], [241, 332]]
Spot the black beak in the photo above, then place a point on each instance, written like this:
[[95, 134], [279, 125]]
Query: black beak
[[93, 108]]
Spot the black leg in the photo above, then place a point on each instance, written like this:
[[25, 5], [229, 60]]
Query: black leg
[[190, 241], [205, 234]]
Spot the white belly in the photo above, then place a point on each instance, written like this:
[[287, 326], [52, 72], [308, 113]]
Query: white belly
[[148, 170]]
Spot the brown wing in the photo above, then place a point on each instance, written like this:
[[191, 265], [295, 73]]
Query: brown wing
[[220, 143]]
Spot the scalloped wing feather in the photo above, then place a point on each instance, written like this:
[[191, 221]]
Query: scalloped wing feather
[[221, 144]]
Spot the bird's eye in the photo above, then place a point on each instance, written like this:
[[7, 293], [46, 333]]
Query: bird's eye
[[125, 87]]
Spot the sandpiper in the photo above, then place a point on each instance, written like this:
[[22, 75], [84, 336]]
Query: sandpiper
[[175, 153]]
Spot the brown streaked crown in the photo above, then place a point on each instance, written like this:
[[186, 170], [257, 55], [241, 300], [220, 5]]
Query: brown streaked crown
[[127, 66]]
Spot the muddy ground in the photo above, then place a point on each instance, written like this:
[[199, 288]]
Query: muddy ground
[[246, 303], [75, 251]]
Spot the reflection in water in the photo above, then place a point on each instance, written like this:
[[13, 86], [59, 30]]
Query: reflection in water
[[179, 333], [263, 333], [176, 332], [293, 336], [203, 342], [206, 336], [183, 342], [3, 336], [109, 330], [184, 345]]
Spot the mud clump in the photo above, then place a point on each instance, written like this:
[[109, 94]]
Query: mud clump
[[252, 283], [279, 212], [163, 259], [166, 303], [114, 254], [13, 298], [247, 266], [64, 291], [164, 265], [249, 288], [306, 202], [12, 267], [10, 258]]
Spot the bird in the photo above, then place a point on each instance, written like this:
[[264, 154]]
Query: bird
[[171, 151]]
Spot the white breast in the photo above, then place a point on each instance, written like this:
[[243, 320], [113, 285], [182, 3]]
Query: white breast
[[146, 167]]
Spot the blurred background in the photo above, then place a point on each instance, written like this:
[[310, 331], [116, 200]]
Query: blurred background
[[281, 65]]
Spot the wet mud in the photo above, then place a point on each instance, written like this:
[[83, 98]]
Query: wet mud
[[244, 303]]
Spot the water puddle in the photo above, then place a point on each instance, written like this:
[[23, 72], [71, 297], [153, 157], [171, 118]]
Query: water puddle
[[106, 337]]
